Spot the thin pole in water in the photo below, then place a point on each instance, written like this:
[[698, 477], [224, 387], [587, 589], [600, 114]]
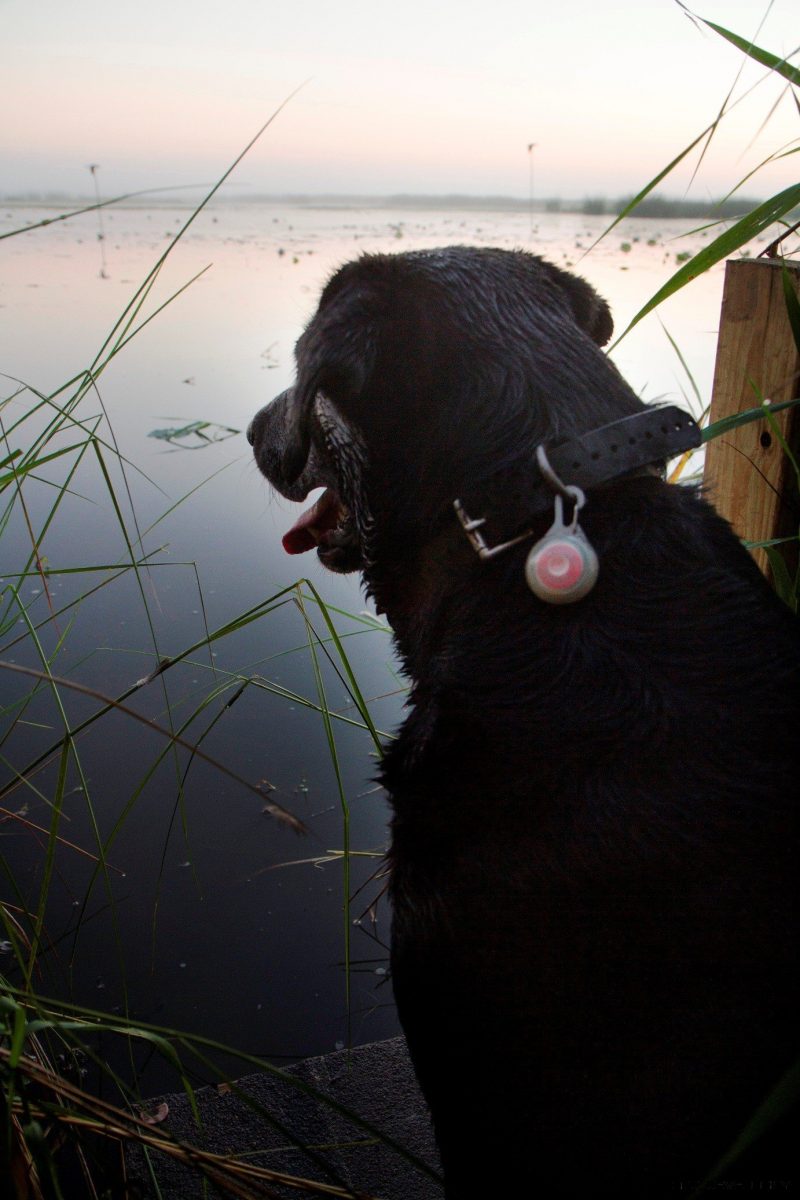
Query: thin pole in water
[[531, 148], [101, 235]]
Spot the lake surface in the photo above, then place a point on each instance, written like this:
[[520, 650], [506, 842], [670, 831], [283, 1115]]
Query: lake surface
[[198, 918]]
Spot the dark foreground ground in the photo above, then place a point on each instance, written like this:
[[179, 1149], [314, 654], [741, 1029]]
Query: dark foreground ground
[[375, 1082]]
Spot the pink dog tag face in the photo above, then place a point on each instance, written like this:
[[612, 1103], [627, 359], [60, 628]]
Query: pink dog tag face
[[562, 567]]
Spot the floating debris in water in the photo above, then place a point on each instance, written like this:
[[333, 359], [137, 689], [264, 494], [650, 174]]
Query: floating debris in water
[[270, 361], [195, 436]]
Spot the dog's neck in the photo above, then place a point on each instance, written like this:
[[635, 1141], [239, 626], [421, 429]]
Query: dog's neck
[[425, 590], [415, 594], [638, 444], [449, 609]]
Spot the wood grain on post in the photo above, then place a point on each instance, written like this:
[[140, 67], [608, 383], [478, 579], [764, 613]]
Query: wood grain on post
[[747, 474]]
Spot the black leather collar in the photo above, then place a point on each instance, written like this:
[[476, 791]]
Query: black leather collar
[[623, 446], [631, 446]]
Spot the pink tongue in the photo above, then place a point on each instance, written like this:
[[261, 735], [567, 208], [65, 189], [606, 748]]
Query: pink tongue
[[321, 516]]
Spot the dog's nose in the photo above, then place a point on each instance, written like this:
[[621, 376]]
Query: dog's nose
[[256, 427]]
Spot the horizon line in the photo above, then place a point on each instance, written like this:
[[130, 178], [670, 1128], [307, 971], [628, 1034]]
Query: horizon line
[[588, 204]]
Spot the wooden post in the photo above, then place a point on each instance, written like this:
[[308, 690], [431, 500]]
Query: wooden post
[[747, 474]]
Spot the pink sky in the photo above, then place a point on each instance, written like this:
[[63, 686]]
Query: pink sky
[[421, 98]]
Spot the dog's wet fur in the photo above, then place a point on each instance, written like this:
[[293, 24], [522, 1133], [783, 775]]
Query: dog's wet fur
[[592, 856]]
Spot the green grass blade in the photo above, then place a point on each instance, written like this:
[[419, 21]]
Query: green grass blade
[[273, 807], [726, 424], [345, 807], [781, 578], [254, 614], [783, 1096], [123, 323], [95, 1020], [22, 469], [355, 691], [732, 239], [648, 188], [77, 212], [775, 156], [685, 365], [781, 65]]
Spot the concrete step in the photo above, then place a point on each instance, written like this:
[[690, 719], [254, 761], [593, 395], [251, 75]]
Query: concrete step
[[375, 1082]]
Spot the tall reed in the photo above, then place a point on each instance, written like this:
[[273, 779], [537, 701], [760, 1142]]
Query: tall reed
[[49, 1116]]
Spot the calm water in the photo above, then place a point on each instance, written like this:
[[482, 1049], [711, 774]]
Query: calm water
[[200, 920]]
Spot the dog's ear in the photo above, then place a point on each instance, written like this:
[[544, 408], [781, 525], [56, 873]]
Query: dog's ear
[[335, 356], [590, 310]]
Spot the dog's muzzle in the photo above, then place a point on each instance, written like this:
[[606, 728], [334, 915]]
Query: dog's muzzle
[[327, 524]]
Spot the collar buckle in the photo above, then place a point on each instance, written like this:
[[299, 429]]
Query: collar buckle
[[592, 459], [477, 540]]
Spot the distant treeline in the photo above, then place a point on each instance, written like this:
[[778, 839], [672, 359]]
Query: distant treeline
[[661, 207], [657, 206]]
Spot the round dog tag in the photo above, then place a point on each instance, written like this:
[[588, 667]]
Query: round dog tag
[[562, 566]]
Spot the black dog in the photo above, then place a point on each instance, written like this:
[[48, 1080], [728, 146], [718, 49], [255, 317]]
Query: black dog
[[592, 863]]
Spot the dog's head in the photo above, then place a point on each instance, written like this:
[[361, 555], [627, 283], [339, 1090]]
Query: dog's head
[[429, 376]]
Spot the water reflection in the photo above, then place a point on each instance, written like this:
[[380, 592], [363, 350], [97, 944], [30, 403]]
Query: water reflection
[[194, 917]]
